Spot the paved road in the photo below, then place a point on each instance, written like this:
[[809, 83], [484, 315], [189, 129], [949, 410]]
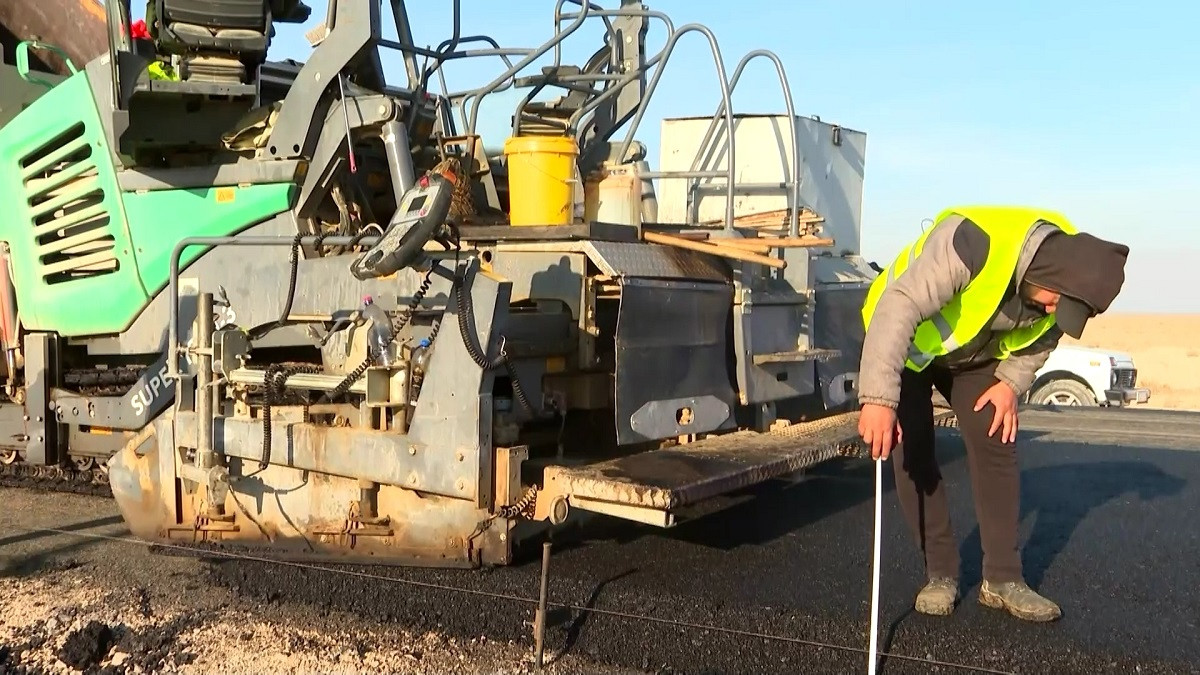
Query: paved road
[[1108, 507]]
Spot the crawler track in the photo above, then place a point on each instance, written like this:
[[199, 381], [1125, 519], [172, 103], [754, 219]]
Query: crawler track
[[56, 479]]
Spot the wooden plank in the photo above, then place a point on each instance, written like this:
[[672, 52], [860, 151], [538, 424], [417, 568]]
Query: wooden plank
[[713, 249], [778, 217], [577, 231], [778, 242]]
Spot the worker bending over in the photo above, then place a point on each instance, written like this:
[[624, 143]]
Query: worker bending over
[[974, 307]]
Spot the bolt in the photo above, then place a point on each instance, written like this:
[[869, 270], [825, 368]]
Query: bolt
[[503, 536], [461, 485], [26, 418], [382, 109], [459, 455]]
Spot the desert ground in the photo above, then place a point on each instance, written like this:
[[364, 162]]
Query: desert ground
[[1165, 348]]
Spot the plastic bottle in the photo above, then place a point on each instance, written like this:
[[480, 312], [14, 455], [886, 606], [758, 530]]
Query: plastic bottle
[[418, 361], [380, 337]]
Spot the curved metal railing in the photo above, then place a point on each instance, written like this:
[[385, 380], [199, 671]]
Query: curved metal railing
[[582, 121], [794, 183]]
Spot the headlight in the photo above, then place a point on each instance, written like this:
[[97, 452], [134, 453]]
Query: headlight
[[1112, 378]]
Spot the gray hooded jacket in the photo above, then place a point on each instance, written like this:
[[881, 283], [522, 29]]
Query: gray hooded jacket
[[954, 253]]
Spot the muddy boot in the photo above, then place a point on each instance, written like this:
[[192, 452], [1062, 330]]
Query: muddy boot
[[938, 597], [1019, 600]]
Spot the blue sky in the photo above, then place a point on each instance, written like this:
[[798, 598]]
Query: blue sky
[[1087, 108]]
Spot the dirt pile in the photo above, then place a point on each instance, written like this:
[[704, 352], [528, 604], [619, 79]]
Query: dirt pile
[[73, 640], [63, 620], [87, 646]]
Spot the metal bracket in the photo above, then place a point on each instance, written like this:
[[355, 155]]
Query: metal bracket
[[148, 397], [357, 112], [349, 40], [41, 367], [230, 348]]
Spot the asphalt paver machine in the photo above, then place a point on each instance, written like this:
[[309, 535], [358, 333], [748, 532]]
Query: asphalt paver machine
[[296, 308]]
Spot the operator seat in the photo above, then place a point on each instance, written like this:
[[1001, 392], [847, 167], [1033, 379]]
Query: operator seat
[[218, 40]]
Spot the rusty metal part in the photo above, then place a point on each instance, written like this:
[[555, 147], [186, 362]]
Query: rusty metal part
[[358, 523], [76, 26], [648, 485], [291, 513], [539, 621]]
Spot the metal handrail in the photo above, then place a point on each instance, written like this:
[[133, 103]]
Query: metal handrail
[[725, 101], [494, 85], [628, 78], [592, 9], [496, 50], [794, 183], [621, 80], [614, 84]]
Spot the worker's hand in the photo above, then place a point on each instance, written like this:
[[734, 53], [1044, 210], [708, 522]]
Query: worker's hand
[[1004, 399], [878, 427]]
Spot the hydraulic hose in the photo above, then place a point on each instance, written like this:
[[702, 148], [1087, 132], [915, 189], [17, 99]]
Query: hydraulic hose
[[465, 312]]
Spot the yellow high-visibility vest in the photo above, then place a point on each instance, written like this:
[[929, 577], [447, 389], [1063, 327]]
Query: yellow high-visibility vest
[[969, 312]]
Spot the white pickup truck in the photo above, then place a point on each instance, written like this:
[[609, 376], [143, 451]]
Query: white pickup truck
[[1083, 376]]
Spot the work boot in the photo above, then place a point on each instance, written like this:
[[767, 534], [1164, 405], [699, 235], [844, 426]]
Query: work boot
[[938, 596], [1019, 600]]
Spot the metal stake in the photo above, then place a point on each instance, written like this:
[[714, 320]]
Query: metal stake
[[539, 621]]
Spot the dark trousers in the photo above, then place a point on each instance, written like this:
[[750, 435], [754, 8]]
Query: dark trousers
[[995, 477]]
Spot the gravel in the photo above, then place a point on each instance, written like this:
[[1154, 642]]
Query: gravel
[[72, 605]]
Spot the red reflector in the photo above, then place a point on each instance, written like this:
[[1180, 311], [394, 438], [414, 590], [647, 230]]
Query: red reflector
[[424, 181]]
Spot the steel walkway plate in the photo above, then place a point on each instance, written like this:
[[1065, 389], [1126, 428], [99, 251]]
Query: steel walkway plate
[[683, 475]]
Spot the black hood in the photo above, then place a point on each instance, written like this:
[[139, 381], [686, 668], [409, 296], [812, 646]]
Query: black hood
[[1088, 271]]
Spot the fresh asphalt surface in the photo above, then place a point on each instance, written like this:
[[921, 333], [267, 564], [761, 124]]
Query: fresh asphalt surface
[[1109, 502]]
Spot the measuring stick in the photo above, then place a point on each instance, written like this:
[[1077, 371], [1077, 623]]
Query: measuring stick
[[875, 580]]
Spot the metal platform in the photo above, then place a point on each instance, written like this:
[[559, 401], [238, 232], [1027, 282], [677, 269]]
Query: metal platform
[[649, 486]]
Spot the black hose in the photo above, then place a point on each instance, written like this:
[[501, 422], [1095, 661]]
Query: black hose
[[465, 314], [463, 304], [294, 264]]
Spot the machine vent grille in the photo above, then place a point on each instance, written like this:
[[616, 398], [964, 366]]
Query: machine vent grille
[[70, 220]]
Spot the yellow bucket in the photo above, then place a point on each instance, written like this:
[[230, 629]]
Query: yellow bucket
[[541, 179]]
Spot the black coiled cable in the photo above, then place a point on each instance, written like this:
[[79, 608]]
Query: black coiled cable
[[274, 378], [372, 353], [415, 303], [294, 264], [465, 311]]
